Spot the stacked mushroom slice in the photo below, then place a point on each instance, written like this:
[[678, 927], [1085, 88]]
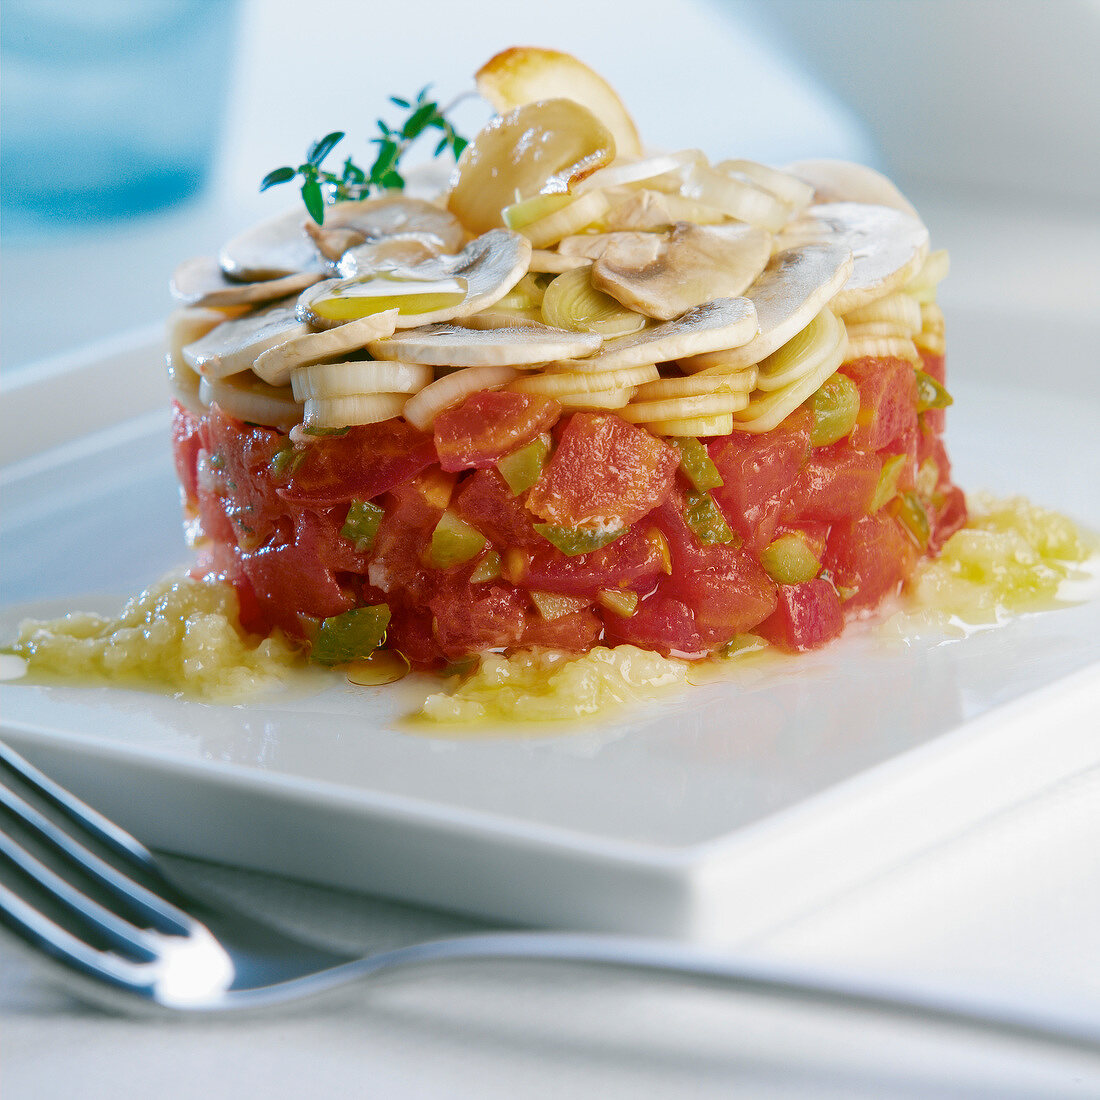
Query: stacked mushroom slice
[[693, 298]]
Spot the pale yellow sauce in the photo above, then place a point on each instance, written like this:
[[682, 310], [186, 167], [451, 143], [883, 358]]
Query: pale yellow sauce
[[185, 636], [180, 635]]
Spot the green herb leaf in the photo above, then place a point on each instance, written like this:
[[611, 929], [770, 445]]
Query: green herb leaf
[[398, 102], [280, 175], [314, 200], [321, 149]]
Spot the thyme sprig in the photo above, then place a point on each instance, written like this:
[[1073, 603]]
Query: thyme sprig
[[353, 182]]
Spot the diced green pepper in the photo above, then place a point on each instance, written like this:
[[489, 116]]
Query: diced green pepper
[[488, 569], [930, 394], [696, 463], [285, 461], [577, 540], [454, 541], [362, 523], [835, 407], [887, 486], [521, 468], [705, 519], [910, 511], [351, 636], [619, 601], [553, 605], [790, 560]]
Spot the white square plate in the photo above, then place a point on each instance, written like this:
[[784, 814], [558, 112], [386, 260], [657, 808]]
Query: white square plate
[[710, 815]]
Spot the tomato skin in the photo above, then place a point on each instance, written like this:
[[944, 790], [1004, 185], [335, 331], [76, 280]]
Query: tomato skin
[[484, 501], [887, 400], [838, 483], [662, 623], [633, 561], [603, 471], [489, 425], [362, 464], [807, 616], [757, 473], [186, 443], [871, 555]]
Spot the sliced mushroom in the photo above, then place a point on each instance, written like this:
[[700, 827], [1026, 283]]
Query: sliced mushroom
[[795, 286], [276, 364], [736, 196], [454, 346], [234, 345], [843, 181], [201, 282], [387, 254], [888, 247], [282, 246], [663, 278], [722, 323], [591, 246], [554, 263], [648, 209], [481, 274], [540, 148], [795, 192]]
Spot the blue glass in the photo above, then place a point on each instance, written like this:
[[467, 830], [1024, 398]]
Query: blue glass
[[109, 107]]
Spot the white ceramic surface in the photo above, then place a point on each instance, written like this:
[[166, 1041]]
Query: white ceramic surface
[[712, 814]]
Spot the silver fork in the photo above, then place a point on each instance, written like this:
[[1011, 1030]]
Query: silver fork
[[90, 897]]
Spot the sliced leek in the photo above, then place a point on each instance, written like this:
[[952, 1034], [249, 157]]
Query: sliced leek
[[444, 393], [248, 398], [572, 302], [347, 379], [552, 383], [345, 412], [803, 354], [684, 408]]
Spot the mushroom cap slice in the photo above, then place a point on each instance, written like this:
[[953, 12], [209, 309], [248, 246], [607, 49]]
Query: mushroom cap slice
[[790, 293], [234, 345], [591, 246], [201, 282], [446, 345], [540, 148], [276, 364], [282, 246], [664, 277], [723, 323], [489, 266], [888, 247], [388, 254], [525, 73], [844, 181]]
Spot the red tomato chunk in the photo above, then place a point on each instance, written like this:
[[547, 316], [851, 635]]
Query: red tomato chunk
[[489, 425]]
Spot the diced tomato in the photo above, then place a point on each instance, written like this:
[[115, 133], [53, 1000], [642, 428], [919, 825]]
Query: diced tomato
[[757, 472], [604, 471], [489, 425], [365, 462], [573, 633], [931, 446], [887, 400], [907, 443], [185, 450], [661, 623], [807, 616], [484, 501], [871, 558], [947, 517], [686, 551], [633, 561], [471, 618], [410, 633], [725, 601], [412, 511], [238, 469], [837, 483], [299, 577]]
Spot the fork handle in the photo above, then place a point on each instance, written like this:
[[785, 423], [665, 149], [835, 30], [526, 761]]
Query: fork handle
[[915, 1000]]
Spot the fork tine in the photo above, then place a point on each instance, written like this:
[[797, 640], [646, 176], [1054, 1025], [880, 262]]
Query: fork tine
[[107, 832], [78, 906], [37, 930], [141, 902]]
